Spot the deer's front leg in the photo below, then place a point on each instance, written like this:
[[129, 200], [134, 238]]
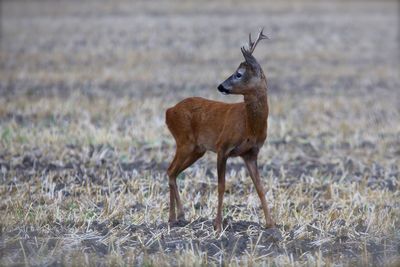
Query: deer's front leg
[[251, 164], [221, 166]]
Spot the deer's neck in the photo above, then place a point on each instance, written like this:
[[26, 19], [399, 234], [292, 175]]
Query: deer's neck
[[257, 112]]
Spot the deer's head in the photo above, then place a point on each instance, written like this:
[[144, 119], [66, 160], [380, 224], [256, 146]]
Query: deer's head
[[249, 76]]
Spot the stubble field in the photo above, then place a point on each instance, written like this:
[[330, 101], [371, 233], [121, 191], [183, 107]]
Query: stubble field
[[84, 147]]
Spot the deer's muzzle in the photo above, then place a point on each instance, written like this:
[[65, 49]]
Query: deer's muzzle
[[222, 89]]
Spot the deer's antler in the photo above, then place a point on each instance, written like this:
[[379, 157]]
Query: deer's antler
[[252, 45]]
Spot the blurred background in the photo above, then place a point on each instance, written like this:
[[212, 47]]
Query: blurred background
[[169, 48]]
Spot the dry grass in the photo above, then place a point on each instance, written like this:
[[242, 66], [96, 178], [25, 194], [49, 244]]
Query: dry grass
[[84, 147]]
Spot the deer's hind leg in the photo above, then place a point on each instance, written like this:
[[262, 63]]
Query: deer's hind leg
[[185, 156]]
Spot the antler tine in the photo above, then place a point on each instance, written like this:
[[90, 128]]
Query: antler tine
[[260, 36], [250, 42]]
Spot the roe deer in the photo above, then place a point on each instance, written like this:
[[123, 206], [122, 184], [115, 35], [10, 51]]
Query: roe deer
[[230, 130]]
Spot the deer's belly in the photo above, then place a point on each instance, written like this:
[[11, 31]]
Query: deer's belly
[[207, 143], [244, 148]]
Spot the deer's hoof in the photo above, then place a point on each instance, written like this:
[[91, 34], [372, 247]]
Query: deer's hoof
[[270, 224], [172, 219], [217, 226], [179, 223]]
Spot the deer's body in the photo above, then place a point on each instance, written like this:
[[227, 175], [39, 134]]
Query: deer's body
[[216, 126], [240, 129]]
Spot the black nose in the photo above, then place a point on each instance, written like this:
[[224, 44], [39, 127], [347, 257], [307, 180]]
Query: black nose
[[221, 88]]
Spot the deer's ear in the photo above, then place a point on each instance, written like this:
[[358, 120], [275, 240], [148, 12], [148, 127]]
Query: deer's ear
[[250, 60]]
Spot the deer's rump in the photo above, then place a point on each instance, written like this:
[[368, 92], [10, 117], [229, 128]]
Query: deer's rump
[[198, 121]]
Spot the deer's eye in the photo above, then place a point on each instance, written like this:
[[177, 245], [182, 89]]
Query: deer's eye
[[238, 75]]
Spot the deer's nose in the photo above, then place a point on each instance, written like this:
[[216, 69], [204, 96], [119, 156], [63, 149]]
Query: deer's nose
[[223, 90]]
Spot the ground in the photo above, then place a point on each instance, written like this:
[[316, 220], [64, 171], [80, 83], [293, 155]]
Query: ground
[[84, 147]]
